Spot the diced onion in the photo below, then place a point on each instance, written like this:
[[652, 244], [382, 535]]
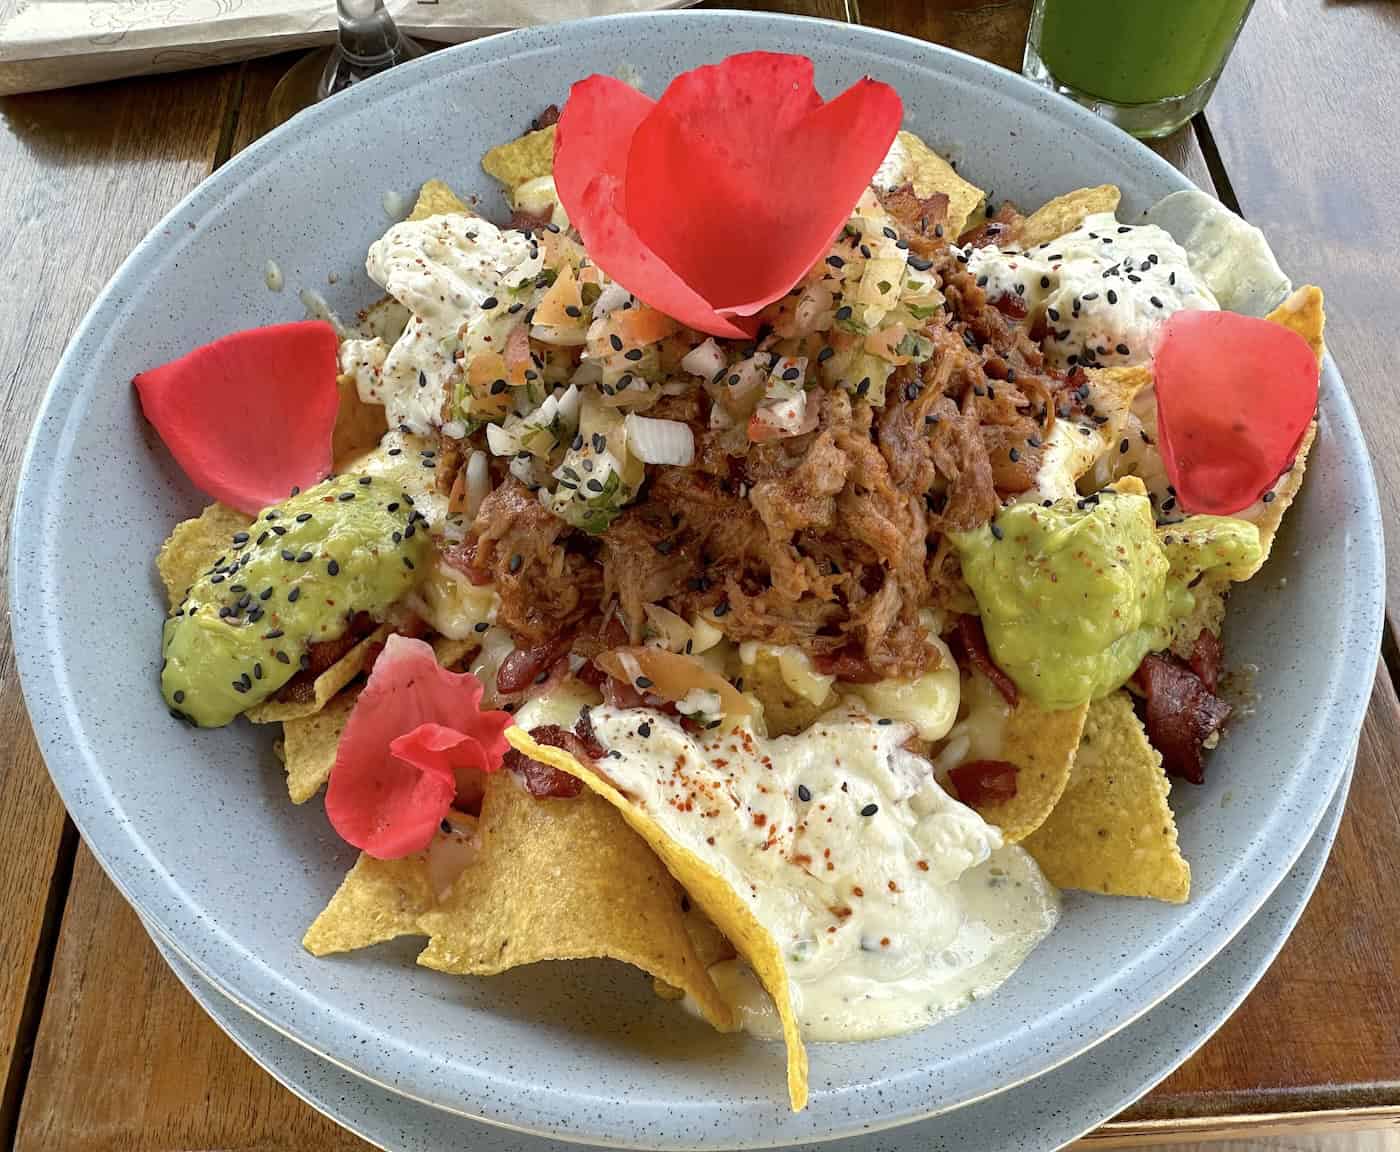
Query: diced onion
[[502, 443], [478, 480], [704, 360], [660, 441], [559, 336], [456, 429]]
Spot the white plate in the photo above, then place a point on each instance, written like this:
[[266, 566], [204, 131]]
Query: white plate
[[195, 828]]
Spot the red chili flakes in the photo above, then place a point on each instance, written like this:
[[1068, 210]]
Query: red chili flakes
[[840, 913], [802, 859], [759, 819], [893, 886], [982, 782], [884, 941], [922, 865], [857, 891]]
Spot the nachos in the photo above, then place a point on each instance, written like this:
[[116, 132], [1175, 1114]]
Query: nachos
[[762, 560]]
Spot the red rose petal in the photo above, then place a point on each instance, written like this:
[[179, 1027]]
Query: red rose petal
[[741, 175], [590, 160], [413, 730], [250, 416], [714, 201], [1234, 396]]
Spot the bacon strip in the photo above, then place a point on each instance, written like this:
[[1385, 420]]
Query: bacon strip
[[1207, 654], [972, 641], [983, 782], [1182, 713], [523, 665], [543, 780]]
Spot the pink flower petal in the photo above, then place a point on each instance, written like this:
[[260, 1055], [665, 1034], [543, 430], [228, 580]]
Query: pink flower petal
[[414, 725]]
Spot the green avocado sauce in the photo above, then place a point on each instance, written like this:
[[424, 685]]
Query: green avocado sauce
[[351, 544], [1073, 596]]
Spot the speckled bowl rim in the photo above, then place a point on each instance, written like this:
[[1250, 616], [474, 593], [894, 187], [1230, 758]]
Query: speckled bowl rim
[[1063, 1105], [242, 976]]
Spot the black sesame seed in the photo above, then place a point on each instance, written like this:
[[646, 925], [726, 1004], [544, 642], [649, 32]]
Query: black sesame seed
[[395, 451], [600, 442], [514, 308], [1045, 281], [644, 729], [218, 578], [792, 373], [272, 515], [481, 626], [644, 682], [1123, 445], [407, 563], [489, 303], [865, 251], [918, 263], [721, 609], [804, 793], [1015, 455], [294, 595], [883, 721], [516, 561], [257, 672], [365, 482], [825, 354], [573, 310], [333, 568], [304, 557], [1269, 497], [981, 281], [240, 537], [407, 532], [282, 657], [303, 517], [288, 555], [304, 663], [179, 697], [870, 810], [844, 312], [261, 537], [497, 387], [1112, 296], [996, 531], [239, 686], [633, 354], [1122, 349], [345, 496], [279, 530]]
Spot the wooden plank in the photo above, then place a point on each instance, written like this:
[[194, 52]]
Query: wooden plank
[[1317, 170], [80, 187], [1319, 1032], [167, 1078]]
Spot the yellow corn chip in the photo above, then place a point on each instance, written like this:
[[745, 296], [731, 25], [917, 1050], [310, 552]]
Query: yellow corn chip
[[450, 652], [436, 199], [525, 158], [1042, 746], [309, 745], [378, 900], [194, 546], [711, 892], [358, 426], [564, 879], [929, 173], [325, 686], [1064, 214], [710, 946], [1113, 831], [551, 879]]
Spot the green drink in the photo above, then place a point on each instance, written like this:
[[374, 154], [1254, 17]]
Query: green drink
[[1148, 65]]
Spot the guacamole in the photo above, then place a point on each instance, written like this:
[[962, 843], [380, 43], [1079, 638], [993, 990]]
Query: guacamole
[[1073, 596], [351, 544]]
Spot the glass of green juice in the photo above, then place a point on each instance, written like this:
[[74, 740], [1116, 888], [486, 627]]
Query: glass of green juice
[[1146, 65]]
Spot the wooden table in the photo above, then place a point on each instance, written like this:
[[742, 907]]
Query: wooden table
[[102, 1048]]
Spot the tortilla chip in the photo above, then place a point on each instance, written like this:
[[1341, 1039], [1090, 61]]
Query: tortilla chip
[[1065, 213], [553, 879], [524, 158], [378, 900], [785, 711], [709, 942], [930, 174], [309, 745], [1042, 746], [1113, 832], [358, 426], [194, 546], [450, 652], [436, 199], [711, 892], [325, 686], [1112, 391]]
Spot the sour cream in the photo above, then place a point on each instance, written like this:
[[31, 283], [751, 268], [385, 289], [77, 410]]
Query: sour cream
[[892, 903], [457, 275], [1104, 289]]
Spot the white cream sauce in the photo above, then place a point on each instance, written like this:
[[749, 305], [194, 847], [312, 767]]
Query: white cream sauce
[[458, 276], [891, 902], [1105, 288]]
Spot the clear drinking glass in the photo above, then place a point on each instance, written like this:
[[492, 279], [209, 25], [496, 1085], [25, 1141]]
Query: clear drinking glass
[[1146, 65], [367, 43]]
